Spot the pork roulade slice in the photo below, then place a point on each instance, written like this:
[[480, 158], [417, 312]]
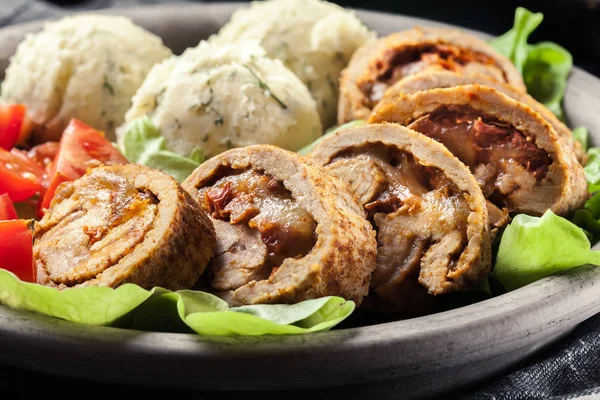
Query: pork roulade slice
[[123, 224], [428, 210], [520, 162], [287, 230], [377, 66], [443, 79]]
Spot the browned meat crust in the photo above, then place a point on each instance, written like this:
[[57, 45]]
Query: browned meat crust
[[291, 202], [443, 79], [123, 224], [377, 66], [520, 161], [428, 209]]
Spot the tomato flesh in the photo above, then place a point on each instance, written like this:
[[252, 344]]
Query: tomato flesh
[[7, 208], [81, 148], [16, 249], [20, 178], [53, 184], [12, 117], [44, 154]]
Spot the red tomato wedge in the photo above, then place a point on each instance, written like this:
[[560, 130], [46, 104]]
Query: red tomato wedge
[[43, 154], [20, 177], [16, 249], [81, 148], [12, 118], [7, 209]]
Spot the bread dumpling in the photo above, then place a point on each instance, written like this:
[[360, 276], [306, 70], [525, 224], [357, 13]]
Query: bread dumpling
[[85, 67], [315, 39], [214, 98]]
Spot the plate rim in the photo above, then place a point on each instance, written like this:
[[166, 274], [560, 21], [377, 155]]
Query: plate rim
[[366, 338]]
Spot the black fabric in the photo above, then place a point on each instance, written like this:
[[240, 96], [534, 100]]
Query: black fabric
[[568, 370]]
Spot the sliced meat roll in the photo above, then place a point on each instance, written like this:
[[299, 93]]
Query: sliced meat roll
[[377, 66], [428, 211], [443, 79], [520, 162], [123, 224], [286, 230]]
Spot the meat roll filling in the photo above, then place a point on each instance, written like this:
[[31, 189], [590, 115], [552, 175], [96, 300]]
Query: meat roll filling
[[88, 240], [391, 59], [426, 207], [520, 162], [502, 158], [397, 63], [260, 209], [287, 230], [403, 196], [123, 224], [438, 79]]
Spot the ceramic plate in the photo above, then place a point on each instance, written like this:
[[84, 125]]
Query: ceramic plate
[[416, 357]]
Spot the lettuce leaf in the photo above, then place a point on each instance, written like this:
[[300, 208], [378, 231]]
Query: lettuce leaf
[[532, 248], [279, 319], [588, 218], [307, 149], [513, 44], [88, 305], [130, 306], [592, 169], [144, 144], [545, 74], [206, 314], [544, 66], [582, 135]]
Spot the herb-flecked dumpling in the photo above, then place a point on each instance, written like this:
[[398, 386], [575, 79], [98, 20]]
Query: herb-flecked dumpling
[[313, 38], [86, 67], [214, 98]]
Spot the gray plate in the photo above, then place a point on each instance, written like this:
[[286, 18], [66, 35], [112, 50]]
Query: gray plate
[[413, 358]]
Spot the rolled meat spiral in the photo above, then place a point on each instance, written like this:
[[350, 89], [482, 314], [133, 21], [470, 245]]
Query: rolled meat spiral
[[123, 224], [443, 79], [377, 66], [520, 162], [428, 211], [286, 230]]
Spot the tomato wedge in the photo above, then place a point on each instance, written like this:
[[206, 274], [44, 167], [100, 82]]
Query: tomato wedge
[[20, 178], [81, 148], [7, 208], [12, 117], [16, 249], [44, 154]]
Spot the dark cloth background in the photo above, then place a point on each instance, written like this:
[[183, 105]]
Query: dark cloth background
[[570, 369]]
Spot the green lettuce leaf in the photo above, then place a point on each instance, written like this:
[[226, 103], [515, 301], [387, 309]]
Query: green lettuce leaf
[[533, 248], [582, 135], [545, 74], [592, 169], [588, 218], [307, 149], [544, 66], [130, 306], [197, 155], [206, 314], [278, 319], [513, 44], [87, 305], [144, 144]]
